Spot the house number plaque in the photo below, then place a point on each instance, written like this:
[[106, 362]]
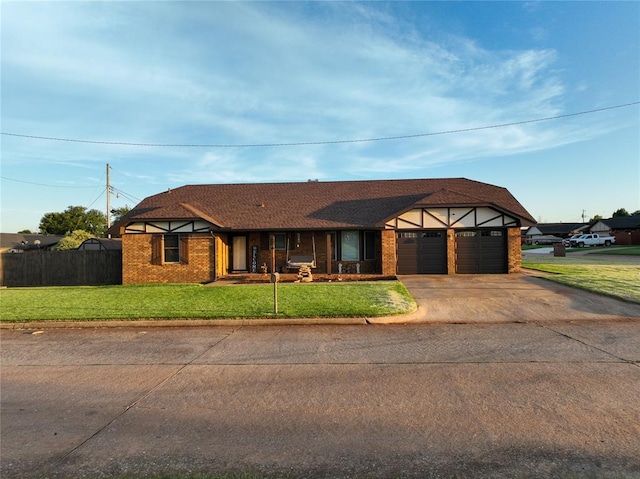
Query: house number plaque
[[254, 259]]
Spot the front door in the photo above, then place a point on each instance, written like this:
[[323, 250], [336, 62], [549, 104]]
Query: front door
[[239, 253]]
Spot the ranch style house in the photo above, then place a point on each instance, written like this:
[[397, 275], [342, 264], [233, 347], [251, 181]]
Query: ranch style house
[[346, 229]]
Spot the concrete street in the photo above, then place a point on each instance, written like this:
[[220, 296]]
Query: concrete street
[[496, 377]]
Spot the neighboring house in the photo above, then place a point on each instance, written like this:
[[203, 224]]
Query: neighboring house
[[25, 243], [200, 233], [626, 229], [562, 230], [101, 244]]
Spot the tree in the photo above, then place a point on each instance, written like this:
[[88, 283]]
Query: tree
[[25, 232], [620, 212], [118, 213], [73, 240], [595, 218], [74, 218]]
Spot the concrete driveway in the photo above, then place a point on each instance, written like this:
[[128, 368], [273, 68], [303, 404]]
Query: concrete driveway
[[506, 298]]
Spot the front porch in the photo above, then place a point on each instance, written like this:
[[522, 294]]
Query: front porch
[[331, 254], [253, 278]]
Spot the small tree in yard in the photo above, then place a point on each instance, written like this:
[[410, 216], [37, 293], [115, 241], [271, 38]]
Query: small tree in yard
[[73, 240]]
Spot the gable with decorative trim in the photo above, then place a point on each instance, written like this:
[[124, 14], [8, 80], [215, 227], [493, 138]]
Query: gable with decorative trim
[[452, 217], [196, 226]]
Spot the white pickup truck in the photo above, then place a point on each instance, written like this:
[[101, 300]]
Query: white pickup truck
[[592, 240]]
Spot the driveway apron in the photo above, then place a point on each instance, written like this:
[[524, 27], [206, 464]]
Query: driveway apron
[[508, 298]]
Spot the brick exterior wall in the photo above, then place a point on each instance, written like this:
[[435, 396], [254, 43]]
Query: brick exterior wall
[[389, 261], [203, 266], [451, 251], [514, 250], [138, 265]]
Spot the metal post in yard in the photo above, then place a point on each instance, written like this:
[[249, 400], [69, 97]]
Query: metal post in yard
[[275, 294], [274, 275]]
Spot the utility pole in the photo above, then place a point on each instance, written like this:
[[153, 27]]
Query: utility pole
[[108, 199]]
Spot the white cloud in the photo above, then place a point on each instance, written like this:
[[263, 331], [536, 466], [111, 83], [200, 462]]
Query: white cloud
[[246, 73]]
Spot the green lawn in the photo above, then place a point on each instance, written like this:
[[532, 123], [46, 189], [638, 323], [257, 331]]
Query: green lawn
[[618, 251], [613, 278], [361, 299]]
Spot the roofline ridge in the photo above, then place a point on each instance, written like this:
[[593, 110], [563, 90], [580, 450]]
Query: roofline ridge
[[200, 213]]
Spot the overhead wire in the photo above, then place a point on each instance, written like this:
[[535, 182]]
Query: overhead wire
[[124, 194], [44, 184], [325, 142]]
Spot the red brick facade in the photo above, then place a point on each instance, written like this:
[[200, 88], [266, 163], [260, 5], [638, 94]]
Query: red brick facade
[[138, 262], [514, 250], [389, 260], [209, 257]]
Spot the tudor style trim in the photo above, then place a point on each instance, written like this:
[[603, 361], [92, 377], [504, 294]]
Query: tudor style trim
[[452, 217], [179, 226]]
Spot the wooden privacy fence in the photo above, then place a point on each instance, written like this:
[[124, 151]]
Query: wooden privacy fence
[[61, 268]]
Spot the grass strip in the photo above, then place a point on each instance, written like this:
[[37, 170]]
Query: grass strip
[[618, 281], [361, 299], [622, 251]]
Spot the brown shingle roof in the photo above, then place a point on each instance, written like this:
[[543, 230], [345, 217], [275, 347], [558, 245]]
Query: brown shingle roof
[[319, 205]]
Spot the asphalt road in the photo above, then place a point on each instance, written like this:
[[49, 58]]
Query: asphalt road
[[535, 399]]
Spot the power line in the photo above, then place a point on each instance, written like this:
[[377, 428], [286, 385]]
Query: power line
[[43, 184], [329, 142], [97, 185], [97, 198], [124, 194]]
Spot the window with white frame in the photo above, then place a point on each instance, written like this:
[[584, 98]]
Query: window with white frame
[[350, 245]]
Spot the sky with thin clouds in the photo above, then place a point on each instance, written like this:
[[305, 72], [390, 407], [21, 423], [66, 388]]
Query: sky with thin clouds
[[420, 81]]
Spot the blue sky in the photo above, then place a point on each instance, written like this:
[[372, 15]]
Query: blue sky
[[252, 73]]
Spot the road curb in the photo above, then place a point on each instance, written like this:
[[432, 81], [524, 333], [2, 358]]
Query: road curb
[[180, 323]]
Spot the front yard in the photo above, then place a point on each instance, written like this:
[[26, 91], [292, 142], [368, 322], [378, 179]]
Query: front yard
[[366, 299], [598, 270], [613, 275]]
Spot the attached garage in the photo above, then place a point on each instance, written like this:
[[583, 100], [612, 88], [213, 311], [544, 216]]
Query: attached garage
[[481, 251], [422, 252], [473, 251], [455, 240]]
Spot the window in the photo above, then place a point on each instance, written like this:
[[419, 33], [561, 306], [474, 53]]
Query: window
[[334, 251], [171, 249], [350, 243], [353, 245], [281, 240], [369, 245]]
